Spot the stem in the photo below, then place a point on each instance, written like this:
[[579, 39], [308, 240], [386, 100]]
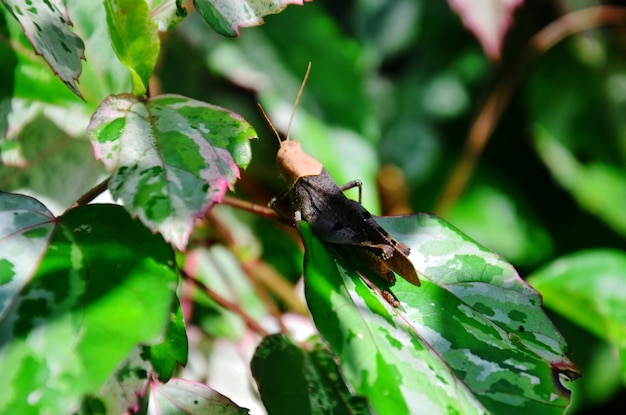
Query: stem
[[252, 208], [234, 307], [490, 113], [91, 194]]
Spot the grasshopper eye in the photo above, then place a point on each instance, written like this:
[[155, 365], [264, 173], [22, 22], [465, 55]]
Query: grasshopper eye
[[366, 215]]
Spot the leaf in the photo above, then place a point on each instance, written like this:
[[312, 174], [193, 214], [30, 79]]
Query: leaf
[[103, 285], [167, 13], [21, 251], [490, 215], [135, 39], [46, 24], [488, 20], [184, 397], [53, 158], [588, 288], [171, 157], [471, 339], [569, 117], [122, 391], [174, 348], [227, 16], [292, 380], [598, 186]]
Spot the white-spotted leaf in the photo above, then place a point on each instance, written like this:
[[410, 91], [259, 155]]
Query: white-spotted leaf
[[227, 16], [98, 286], [26, 226], [180, 396], [472, 339], [47, 26], [171, 157]]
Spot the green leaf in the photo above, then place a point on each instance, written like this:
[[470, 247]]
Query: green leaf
[[47, 26], [104, 285], [296, 381], [471, 339], [184, 397], [173, 349], [135, 38], [588, 288], [491, 216], [171, 157], [226, 16], [578, 126]]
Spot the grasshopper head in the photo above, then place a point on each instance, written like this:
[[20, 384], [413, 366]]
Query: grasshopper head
[[294, 163]]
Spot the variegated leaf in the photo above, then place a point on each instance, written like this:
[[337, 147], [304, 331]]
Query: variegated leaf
[[26, 226], [186, 397], [227, 16], [472, 339], [94, 286], [171, 157], [47, 26]]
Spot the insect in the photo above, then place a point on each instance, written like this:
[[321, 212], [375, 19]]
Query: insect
[[344, 223]]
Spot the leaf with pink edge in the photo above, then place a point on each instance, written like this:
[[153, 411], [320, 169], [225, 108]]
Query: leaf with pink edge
[[487, 20], [171, 157]]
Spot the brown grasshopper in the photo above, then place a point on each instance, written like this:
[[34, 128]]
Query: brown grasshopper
[[316, 198]]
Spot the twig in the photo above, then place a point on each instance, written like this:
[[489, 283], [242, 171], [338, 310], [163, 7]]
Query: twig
[[91, 194], [252, 208], [490, 113], [234, 307]]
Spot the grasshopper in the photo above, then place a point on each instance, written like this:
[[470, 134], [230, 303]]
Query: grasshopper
[[344, 223]]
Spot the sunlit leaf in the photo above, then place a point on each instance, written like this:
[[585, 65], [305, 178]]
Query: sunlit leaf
[[189, 398], [228, 16], [589, 288], [489, 20], [171, 157], [47, 26], [135, 39], [472, 339], [103, 285], [292, 380]]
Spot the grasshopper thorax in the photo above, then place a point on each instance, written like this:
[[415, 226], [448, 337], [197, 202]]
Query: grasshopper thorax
[[293, 163]]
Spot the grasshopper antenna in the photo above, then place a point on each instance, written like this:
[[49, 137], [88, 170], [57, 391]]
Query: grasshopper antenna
[[293, 111], [267, 119], [295, 105]]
